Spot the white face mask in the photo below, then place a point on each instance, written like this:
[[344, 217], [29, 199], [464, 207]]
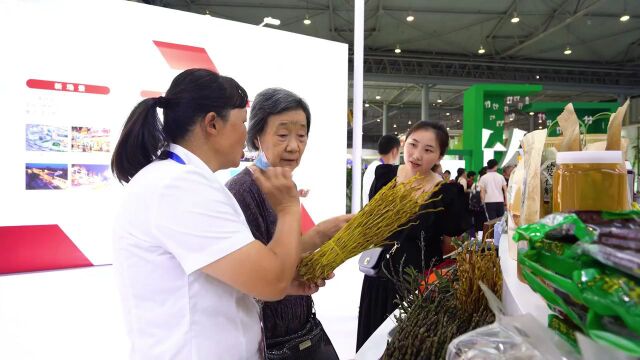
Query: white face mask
[[261, 160]]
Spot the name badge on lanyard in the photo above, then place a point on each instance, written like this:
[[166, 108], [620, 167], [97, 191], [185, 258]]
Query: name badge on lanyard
[[175, 157]]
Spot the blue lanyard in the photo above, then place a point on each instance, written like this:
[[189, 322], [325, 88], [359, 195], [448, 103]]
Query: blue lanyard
[[381, 161], [175, 157]]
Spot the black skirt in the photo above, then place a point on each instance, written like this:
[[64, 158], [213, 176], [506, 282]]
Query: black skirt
[[376, 304]]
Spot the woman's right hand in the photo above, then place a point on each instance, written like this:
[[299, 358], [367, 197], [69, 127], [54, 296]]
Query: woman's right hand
[[278, 187], [323, 232]]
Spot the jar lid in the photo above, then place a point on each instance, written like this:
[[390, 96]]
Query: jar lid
[[589, 157]]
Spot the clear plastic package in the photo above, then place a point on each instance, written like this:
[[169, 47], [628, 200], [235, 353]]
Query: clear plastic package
[[510, 337]]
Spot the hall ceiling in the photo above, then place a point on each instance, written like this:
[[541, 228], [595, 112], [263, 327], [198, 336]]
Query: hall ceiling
[[439, 48]]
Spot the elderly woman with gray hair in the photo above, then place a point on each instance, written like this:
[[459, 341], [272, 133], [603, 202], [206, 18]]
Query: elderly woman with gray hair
[[279, 125]]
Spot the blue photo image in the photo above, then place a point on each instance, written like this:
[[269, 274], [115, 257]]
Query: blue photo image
[[46, 138], [40, 176]]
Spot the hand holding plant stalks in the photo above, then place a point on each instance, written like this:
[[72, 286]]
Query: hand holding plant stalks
[[390, 210]]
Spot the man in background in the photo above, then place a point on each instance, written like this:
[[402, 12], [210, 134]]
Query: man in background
[[506, 172], [493, 190], [437, 168], [471, 177], [446, 176], [389, 151]]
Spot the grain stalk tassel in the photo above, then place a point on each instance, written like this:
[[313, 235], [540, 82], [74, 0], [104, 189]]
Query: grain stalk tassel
[[390, 210]]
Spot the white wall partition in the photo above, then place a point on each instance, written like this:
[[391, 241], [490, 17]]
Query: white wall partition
[[73, 70]]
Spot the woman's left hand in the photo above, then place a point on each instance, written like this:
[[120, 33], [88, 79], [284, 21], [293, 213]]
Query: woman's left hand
[[301, 287]]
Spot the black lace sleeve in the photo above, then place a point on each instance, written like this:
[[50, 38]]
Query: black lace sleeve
[[455, 218]]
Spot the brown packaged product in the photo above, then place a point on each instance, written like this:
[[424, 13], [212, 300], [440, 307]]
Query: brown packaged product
[[614, 130], [532, 144], [514, 202], [570, 126], [547, 169]]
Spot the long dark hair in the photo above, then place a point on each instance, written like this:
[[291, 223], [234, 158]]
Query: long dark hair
[[191, 95]]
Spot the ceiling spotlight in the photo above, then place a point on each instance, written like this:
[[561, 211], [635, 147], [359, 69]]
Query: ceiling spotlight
[[270, 21], [448, 114], [481, 50], [366, 104], [515, 18], [531, 113], [306, 20], [625, 17], [439, 100], [397, 50], [540, 121], [458, 120], [378, 97], [539, 127], [410, 17], [396, 133], [448, 129], [537, 76], [394, 125], [409, 122], [568, 50], [378, 119]]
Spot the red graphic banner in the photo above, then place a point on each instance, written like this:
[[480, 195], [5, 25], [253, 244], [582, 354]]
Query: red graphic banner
[[306, 220], [67, 87], [150, 94], [183, 57], [36, 248]]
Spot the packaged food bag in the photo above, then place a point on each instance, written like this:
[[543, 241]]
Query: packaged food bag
[[510, 337], [532, 144], [514, 203]]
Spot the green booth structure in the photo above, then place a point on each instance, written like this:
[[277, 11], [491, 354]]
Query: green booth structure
[[484, 109], [593, 116]]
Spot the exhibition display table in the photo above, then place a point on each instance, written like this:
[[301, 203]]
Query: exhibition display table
[[517, 298]]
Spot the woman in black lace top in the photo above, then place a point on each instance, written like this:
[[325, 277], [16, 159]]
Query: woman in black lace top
[[426, 240], [278, 127]]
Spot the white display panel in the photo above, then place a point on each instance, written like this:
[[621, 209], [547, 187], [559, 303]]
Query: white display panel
[[72, 45], [452, 166]]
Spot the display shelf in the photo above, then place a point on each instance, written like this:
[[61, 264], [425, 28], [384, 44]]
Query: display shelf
[[374, 347], [517, 297]]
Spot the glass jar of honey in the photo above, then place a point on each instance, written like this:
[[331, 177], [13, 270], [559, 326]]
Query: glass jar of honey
[[590, 180]]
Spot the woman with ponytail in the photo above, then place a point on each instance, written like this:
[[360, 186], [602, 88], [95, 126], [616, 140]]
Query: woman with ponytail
[[187, 263]]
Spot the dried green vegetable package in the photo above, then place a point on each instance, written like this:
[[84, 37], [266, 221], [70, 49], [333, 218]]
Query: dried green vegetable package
[[566, 228], [565, 329], [623, 260], [611, 293]]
